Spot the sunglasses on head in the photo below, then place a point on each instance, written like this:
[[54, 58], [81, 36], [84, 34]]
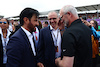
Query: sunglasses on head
[[3, 22]]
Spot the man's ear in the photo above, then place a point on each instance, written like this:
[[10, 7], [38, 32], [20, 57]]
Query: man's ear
[[26, 20]]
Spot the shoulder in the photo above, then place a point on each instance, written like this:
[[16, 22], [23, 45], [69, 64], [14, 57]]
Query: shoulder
[[16, 39], [18, 34], [45, 29]]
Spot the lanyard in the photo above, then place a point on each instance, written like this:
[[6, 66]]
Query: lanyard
[[36, 36], [55, 38], [4, 46]]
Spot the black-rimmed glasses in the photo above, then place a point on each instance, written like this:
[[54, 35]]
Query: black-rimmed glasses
[[62, 16]]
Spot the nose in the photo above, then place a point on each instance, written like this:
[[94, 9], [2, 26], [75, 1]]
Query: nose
[[2, 23], [52, 20]]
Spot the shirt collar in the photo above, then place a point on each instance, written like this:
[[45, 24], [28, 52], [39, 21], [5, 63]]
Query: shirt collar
[[0, 30], [8, 32], [26, 31], [36, 30], [76, 21], [51, 28]]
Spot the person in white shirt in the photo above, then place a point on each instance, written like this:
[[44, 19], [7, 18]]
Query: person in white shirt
[[4, 34], [49, 47]]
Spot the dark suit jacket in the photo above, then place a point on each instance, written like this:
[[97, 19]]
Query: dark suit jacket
[[19, 51], [46, 48], [1, 52]]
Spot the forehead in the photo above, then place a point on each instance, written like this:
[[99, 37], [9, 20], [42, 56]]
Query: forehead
[[3, 20], [52, 15], [61, 12]]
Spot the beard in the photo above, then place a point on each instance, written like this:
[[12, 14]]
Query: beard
[[31, 27], [66, 23]]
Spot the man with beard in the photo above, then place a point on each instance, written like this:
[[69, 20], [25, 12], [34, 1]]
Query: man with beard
[[21, 47], [76, 42], [49, 46]]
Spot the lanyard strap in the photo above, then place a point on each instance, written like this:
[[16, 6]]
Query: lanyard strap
[[55, 38]]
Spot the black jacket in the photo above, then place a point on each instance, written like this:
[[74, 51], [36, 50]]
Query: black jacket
[[1, 52]]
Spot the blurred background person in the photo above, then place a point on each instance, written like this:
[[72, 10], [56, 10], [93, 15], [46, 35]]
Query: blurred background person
[[11, 25], [4, 38], [94, 24], [14, 26], [94, 32], [40, 25], [44, 24], [95, 44]]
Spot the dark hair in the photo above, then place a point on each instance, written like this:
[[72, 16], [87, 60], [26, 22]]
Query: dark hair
[[83, 17], [27, 12], [46, 22], [7, 21], [96, 24]]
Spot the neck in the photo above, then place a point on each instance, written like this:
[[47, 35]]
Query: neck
[[30, 30], [55, 28], [26, 28], [4, 33], [4, 30]]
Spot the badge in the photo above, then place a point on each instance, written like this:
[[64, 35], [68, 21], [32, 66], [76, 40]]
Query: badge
[[56, 48]]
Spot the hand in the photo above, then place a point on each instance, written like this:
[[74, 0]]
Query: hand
[[57, 61], [40, 64], [61, 24], [86, 23]]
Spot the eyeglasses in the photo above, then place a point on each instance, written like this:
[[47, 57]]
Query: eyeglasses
[[3, 22], [62, 16]]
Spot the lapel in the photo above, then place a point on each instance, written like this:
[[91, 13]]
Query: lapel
[[0, 42], [49, 34], [26, 40], [1, 51]]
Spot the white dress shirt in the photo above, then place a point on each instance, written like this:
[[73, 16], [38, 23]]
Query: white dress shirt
[[30, 37], [4, 44], [36, 36], [56, 35]]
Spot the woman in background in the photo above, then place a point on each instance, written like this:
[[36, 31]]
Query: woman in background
[[95, 43], [4, 38]]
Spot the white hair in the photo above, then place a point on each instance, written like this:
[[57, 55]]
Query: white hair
[[71, 9]]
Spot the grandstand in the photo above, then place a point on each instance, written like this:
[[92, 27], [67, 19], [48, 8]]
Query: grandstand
[[90, 12]]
